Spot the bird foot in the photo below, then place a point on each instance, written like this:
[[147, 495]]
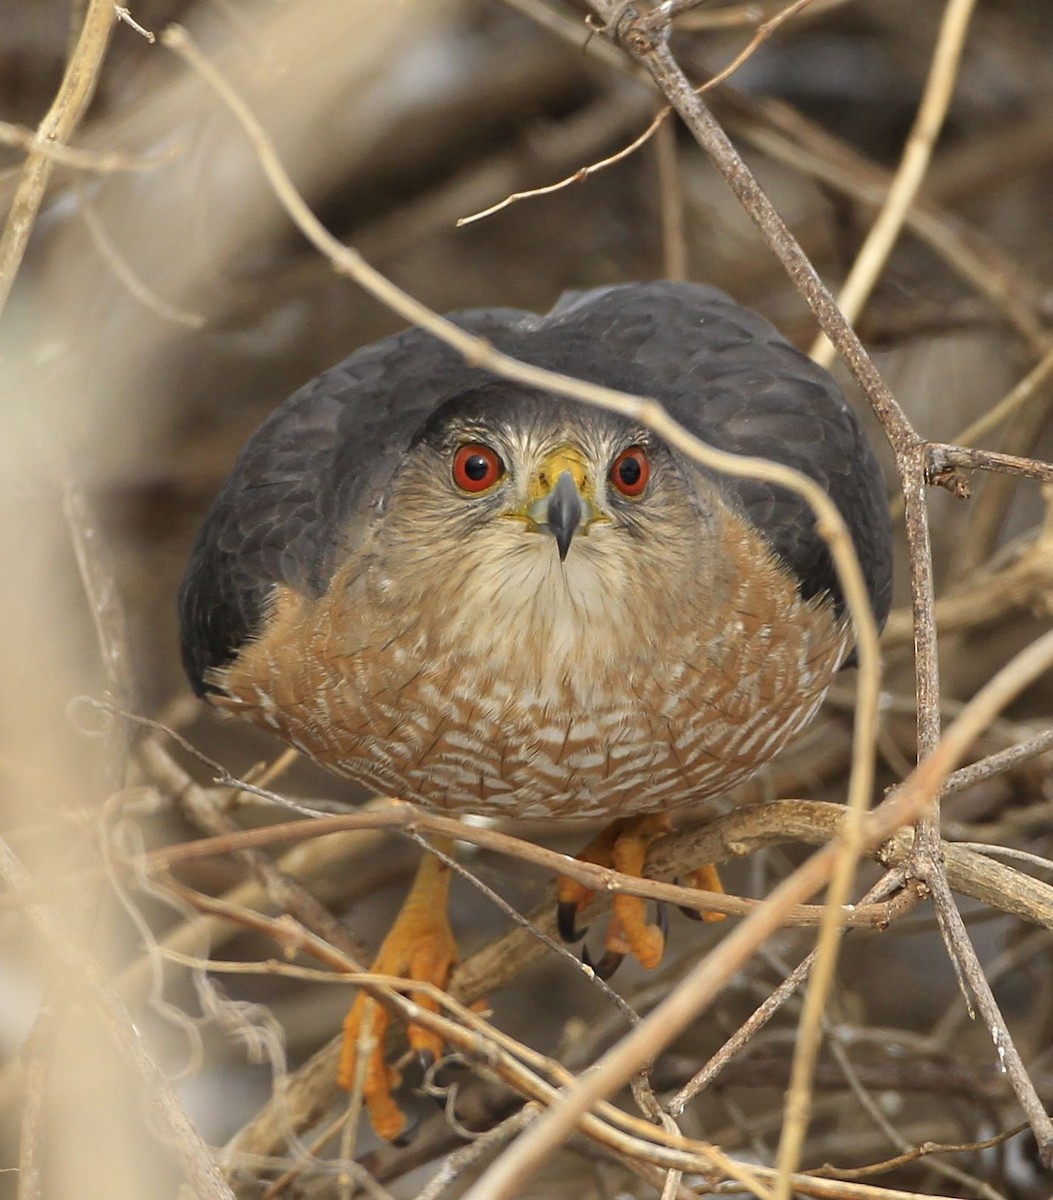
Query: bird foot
[[707, 879], [622, 845], [419, 947]]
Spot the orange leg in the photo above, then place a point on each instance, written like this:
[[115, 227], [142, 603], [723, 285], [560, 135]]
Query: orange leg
[[573, 897], [624, 845], [707, 879], [420, 947]]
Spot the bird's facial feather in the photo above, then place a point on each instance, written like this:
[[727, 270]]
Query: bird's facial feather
[[482, 560]]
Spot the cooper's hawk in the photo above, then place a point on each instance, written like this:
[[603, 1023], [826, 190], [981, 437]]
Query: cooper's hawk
[[487, 599]]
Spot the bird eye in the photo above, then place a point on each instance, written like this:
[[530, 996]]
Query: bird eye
[[631, 471], [476, 468]]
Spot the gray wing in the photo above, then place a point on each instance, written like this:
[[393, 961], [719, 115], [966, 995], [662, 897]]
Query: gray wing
[[329, 451]]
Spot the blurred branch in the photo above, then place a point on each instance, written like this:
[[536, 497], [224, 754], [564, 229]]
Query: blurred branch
[[87, 980], [123, 270], [101, 162], [670, 203], [914, 164], [70, 103], [37, 1055]]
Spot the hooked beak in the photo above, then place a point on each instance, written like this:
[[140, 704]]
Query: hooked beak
[[563, 508], [566, 512]]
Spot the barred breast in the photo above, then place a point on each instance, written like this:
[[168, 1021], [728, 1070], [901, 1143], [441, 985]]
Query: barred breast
[[587, 727]]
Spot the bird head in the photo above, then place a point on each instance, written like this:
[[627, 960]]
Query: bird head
[[516, 506]]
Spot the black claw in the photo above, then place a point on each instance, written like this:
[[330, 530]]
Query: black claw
[[692, 914], [661, 919], [567, 921], [608, 964], [426, 1059], [408, 1134]]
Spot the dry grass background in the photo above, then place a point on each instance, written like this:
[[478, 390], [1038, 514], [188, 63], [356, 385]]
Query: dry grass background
[[154, 1005]]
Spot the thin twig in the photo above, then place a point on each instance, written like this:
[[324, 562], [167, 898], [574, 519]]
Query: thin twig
[[873, 1109], [657, 21], [741, 831], [124, 15], [581, 174], [998, 764], [914, 1154], [942, 457]]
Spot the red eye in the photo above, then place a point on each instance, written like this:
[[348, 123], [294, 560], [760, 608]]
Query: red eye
[[476, 468], [631, 471]]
